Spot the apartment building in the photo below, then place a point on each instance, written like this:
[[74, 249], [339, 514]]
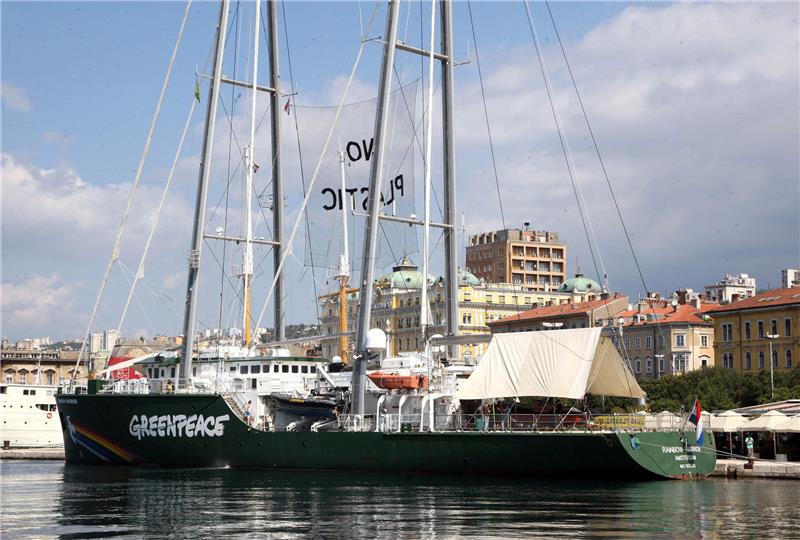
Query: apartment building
[[534, 260]]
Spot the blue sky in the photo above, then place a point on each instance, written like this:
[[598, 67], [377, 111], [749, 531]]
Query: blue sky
[[690, 118]]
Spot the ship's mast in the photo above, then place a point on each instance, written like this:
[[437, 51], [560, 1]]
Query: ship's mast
[[202, 196], [277, 179], [376, 181], [371, 231], [449, 167], [344, 270], [247, 264]]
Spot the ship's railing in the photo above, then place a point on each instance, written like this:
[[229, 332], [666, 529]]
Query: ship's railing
[[497, 421], [355, 422]]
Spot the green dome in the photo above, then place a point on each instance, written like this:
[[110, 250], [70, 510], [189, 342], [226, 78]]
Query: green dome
[[580, 284], [467, 278], [404, 276]]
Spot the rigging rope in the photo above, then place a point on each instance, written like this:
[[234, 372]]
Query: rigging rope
[[140, 270], [115, 251], [300, 150], [605, 173]]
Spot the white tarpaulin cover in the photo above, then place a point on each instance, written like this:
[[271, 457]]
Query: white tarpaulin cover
[[556, 363]]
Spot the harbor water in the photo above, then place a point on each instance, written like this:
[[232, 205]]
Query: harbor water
[[51, 499]]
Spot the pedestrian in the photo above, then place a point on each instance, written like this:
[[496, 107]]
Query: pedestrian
[[248, 412], [748, 442]]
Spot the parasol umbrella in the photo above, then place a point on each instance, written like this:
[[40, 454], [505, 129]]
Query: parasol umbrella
[[766, 422], [728, 422], [790, 425]]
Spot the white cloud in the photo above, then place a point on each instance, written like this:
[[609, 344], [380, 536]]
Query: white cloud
[[33, 305], [698, 128], [14, 97]]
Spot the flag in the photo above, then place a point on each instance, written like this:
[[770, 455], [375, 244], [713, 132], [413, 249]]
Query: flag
[[287, 106], [197, 91], [695, 417]]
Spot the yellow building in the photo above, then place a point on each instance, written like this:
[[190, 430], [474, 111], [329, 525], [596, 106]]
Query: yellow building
[[396, 309], [746, 331]]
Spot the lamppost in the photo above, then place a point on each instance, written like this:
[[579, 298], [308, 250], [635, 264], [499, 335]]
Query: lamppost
[[771, 337]]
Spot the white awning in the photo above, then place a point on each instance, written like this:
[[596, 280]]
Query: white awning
[[557, 363]]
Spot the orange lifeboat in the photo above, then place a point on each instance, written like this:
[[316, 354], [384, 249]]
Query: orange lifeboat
[[392, 381]]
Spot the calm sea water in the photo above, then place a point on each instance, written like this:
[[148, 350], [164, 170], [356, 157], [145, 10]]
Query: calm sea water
[[49, 499]]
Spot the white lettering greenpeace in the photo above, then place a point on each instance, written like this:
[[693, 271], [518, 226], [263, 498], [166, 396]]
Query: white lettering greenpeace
[[177, 425]]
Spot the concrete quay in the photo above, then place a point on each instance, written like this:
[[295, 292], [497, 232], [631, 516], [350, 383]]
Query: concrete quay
[[56, 454], [734, 468]]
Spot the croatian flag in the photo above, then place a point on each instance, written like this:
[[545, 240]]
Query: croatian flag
[[695, 418]]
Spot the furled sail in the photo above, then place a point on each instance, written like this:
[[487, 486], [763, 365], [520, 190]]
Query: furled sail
[[560, 363]]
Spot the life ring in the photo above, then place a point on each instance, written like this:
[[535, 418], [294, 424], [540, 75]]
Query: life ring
[[49, 415]]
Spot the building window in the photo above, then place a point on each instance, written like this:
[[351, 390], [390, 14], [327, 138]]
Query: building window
[[727, 332], [747, 330], [788, 358], [50, 376], [761, 329], [704, 340], [638, 343], [408, 344], [649, 365], [9, 378], [627, 343], [773, 325], [748, 361], [774, 359], [727, 360], [679, 363], [680, 340], [761, 360], [661, 364], [787, 327], [648, 342], [638, 364]]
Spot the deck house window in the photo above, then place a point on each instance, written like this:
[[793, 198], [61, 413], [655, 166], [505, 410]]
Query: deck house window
[[243, 370], [304, 369], [295, 369], [255, 369], [285, 369]]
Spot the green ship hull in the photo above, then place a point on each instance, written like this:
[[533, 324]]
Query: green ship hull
[[203, 431]]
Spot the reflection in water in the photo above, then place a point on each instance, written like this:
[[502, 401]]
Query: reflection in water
[[51, 499]]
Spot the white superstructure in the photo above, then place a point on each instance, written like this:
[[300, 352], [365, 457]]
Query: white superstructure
[[28, 416]]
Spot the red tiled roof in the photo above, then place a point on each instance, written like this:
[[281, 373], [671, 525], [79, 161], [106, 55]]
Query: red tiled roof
[[683, 314], [775, 297], [561, 310]]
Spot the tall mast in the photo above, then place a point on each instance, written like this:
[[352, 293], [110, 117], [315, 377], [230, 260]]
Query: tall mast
[[247, 266], [450, 237], [371, 231], [202, 196], [344, 270], [277, 181], [426, 226]]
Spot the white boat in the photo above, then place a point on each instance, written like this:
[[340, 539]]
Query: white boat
[[29, 416]]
